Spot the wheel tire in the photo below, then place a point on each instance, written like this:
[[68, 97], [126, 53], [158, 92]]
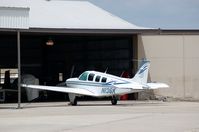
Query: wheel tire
[[114, 101], [74, 103]]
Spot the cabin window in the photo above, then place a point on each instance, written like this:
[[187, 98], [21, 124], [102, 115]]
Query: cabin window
[[83, 76], [97, 79], [91, 76], [104, 79]]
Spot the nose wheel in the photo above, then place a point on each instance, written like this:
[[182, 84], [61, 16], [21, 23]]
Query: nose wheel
[[114, 101], [73, 99]]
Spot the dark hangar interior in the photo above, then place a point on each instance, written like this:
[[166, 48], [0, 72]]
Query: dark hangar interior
[[68, 55]]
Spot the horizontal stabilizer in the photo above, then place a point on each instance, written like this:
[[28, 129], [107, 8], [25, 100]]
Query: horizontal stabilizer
[[157, 85]]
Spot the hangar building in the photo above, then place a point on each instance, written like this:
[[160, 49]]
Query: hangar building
[[60, 39]]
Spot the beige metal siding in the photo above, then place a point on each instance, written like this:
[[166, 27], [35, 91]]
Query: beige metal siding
[[174, 60], [17, 18], [191, 58]]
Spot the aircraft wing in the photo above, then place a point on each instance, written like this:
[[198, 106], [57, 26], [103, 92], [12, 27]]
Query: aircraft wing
[[157, 85], [60, 89], [140, 86]]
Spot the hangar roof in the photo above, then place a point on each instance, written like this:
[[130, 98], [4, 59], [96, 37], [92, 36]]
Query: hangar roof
[[59, 14]]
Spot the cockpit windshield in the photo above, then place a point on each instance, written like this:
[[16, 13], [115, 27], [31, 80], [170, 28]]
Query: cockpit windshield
[[84, 76], [88, 76]]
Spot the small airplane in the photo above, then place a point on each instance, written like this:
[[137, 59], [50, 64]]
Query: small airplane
[[98, 84]]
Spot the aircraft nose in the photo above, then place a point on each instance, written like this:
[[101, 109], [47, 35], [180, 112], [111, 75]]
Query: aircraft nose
[[67, 80], [71, 79]]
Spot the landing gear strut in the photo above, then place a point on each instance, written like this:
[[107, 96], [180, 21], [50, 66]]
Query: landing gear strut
[[73, 99], [114, 100]]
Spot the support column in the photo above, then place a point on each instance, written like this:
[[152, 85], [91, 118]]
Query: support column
[[19, 68]]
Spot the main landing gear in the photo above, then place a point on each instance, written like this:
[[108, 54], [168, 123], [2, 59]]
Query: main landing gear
[[114, 100], [74, 102], [73, 99]]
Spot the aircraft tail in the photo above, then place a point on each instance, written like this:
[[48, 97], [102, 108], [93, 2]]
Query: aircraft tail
[[142, 74]]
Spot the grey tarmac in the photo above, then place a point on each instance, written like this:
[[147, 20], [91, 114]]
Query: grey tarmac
[[101, 116]]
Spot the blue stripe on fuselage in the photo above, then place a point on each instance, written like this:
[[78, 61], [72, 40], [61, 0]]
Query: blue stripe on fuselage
[[96, 84]]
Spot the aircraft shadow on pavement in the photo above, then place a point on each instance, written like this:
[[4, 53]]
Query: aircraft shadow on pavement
[[123, 103], [84, 103]]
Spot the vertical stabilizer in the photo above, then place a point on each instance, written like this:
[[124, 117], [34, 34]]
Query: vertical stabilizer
[[142, 74]]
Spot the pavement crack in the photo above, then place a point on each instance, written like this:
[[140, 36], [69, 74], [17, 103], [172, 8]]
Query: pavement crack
[[109, 122]]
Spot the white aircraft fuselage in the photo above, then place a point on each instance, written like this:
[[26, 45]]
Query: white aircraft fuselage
[[103, 84]]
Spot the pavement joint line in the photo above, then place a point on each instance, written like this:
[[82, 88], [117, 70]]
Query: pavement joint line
[[110, 122]]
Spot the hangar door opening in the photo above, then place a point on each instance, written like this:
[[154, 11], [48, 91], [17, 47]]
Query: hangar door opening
[[70, 55]]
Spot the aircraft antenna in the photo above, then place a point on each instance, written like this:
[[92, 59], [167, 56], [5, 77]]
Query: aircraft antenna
[[72, 71], [106, 70]]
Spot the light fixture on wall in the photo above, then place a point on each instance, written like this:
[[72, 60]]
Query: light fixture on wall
[[49, 42]]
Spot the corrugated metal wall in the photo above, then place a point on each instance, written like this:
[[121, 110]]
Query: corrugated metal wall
[[12, 17]]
